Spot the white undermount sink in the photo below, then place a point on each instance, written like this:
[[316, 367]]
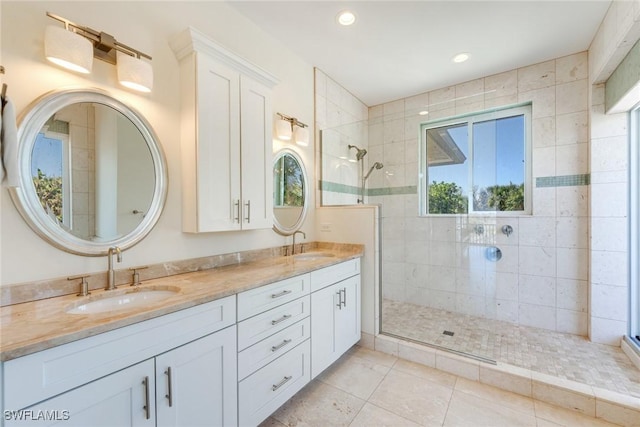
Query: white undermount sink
[[311, 256], [122, 299]]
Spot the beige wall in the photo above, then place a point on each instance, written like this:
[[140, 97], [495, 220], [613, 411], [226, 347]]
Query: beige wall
[[147, 26]]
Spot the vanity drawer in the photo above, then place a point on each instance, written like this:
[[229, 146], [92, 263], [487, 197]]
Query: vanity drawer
[[335, 273], [39, 376], [269, 349], [259, 327], [260, 394], [267, 297]]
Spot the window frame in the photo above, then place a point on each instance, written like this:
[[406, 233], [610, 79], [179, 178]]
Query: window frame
[[471, 118]]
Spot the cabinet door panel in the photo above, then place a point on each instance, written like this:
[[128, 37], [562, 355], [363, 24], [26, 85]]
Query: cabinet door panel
[[348, 315], [218, 139], [115, 400], [201, 383], [257, 155], [323, 344]]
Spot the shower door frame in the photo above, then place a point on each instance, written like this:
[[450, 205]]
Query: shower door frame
[[634, 225]]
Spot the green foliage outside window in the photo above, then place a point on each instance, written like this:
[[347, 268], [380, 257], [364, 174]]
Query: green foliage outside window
[[49, 191], [501, 198], [446, 198]]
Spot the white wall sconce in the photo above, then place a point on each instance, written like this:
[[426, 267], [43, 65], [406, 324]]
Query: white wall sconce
[[74, 47], [284, 129]]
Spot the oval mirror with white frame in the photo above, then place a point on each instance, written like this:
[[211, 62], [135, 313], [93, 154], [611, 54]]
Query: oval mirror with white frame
[[290, 192], [92, 172]]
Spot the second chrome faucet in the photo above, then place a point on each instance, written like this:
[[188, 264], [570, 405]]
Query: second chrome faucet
[[111, 275]]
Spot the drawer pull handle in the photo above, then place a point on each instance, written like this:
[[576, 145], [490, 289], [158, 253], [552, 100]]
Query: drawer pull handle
[[281, 383], [339, 304], [344, 301], [281, 294], [169, 394], [279, 346], [282, 319], [146, 407]]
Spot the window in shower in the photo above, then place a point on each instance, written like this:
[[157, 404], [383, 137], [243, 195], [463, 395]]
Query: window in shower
[[477, 163]]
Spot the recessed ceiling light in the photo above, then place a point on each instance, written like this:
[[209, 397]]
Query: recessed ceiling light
[[346, 17], [423, 113], [461, 57]]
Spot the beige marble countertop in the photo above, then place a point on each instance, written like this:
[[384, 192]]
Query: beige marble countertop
[[38, 325]]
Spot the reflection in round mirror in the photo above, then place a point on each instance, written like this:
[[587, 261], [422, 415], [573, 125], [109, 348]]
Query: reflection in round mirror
[[92, 174], [290, 192]]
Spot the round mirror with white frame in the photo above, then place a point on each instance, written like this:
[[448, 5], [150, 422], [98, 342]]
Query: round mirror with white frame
[[290, 192], [92, 172]]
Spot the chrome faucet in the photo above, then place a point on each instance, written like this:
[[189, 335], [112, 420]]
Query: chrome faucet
[[293, 246], [111, 275]]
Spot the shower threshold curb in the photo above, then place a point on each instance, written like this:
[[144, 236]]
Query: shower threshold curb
[[588, 400]]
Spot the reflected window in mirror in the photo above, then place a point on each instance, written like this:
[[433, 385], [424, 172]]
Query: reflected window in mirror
[[49, 171], [290, 192]]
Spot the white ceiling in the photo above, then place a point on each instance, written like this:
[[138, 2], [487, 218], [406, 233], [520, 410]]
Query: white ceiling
[[401, 48]]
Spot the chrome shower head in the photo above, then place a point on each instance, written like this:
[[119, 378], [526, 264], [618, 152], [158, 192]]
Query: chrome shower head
[[360, 152], [376, 165]]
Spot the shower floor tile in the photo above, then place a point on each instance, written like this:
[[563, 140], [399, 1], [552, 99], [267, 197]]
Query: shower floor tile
[[562, 355]]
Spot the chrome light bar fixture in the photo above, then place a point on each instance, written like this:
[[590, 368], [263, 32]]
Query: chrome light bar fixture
[[285, 130], [74, 47]]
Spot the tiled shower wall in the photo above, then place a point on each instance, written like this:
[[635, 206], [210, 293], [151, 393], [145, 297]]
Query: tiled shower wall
[[341, 120], [441, 261]]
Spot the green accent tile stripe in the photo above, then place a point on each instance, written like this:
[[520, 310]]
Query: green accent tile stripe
[[563, 181], [338, 188], [392, 191], [350, 189]]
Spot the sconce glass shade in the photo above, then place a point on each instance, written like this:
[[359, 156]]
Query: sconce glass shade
[[134, 73], [302, 136], [283, 129], [68, 49]]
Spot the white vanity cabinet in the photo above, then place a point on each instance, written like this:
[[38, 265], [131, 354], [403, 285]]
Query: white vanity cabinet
[[121, 377], [335, 313], [273, 345], [226, 137], [119, 399]]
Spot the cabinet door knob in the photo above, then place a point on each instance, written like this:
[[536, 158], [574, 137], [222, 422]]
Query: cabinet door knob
[[236, 205], [169, 394], [248, 205], [147, 405]]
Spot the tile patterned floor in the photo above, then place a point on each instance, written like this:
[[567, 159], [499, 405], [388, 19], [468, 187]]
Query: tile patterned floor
[[562, 355], [368, 388]]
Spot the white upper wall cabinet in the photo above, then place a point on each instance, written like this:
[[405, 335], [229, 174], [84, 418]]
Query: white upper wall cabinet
[[226, 127]]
